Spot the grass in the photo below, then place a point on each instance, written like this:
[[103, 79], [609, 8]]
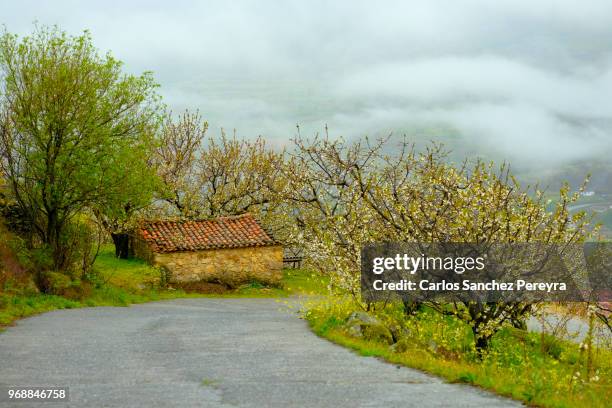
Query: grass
[[121, 282], [302, 281], [531, 367], [117, 283], [13, 307]]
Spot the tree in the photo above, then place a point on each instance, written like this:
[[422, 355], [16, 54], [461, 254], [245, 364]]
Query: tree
[[205, 177], [478, 205], [117, 213], [331, 220], [70, 121], [237, 176], [176, 156], [351, 194]]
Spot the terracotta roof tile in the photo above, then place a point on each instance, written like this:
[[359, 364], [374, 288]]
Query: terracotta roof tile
[[223, 232]]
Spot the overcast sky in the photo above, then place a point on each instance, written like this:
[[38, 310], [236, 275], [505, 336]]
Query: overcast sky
[[529, 81]]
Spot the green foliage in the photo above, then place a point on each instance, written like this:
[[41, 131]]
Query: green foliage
[[15, 219], [605, 218], [210, 382], [131, 274], [73, 130], [209, 177], [551, 346], [117, 283], [294, 282], [57, 282], [37, 259], [14, 275]]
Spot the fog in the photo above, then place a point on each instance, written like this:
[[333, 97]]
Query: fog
[[514, 80]]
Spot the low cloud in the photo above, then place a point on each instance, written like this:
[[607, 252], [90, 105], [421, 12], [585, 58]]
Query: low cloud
[[500, 106], [514, 79]]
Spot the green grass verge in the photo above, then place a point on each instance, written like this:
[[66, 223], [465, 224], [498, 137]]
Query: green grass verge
[[516, 367]]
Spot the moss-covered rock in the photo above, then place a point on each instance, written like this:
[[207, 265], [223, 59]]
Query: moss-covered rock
[[364, 325], [361, 318], [57, 283], [399, 332], [377, 332], [402, 346], [358, 321]]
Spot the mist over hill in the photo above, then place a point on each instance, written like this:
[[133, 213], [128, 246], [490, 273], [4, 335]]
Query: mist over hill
[[519, 81]]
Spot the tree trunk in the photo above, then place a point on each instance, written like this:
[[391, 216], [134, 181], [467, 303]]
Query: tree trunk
[[54, 241], [520, 324], [411, 307], [122, 245], [481, 342]]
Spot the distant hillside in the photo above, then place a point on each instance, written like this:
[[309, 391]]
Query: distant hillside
[[545, 173], [606, 219], [600, 171]]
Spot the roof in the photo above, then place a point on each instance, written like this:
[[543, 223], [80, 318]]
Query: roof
[[223, 232]]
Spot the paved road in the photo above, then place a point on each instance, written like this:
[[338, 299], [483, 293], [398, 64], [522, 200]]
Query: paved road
[[209, 353]]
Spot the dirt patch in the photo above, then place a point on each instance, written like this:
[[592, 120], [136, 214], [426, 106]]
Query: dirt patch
[[202, 287]]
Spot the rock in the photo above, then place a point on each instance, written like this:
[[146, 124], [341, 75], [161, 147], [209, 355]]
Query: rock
[[432, 346], [357, 322], [364, 325], [401, 346], [377, 332], [361, 318], [354, 331], [398, 332]]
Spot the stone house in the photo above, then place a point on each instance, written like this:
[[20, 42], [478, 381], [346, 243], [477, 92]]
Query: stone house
[[230, 250]]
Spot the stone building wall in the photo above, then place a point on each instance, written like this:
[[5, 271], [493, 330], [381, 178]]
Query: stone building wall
[[140, 249], [234, 266]]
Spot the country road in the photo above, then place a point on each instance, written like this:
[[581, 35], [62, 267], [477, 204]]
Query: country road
[[208, 353]]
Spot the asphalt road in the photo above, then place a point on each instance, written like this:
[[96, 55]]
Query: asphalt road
[[208, 353]]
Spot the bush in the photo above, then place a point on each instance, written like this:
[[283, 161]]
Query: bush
[[165, 275], [552, 346], [78, 241], [57, 283], [14, 217], [14, 272]]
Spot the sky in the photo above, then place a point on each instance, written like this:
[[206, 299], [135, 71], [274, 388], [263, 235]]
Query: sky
[[528, 81]]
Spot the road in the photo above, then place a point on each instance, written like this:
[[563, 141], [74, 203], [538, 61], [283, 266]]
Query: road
[[208, 353]]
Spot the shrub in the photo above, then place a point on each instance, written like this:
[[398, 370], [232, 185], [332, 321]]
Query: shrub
[[58, 283], [78, 240], [14, 217], [55, 282], [551, 345]]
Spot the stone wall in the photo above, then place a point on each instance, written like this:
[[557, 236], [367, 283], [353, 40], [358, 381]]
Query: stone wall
[[233, 267], [140, 249]]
